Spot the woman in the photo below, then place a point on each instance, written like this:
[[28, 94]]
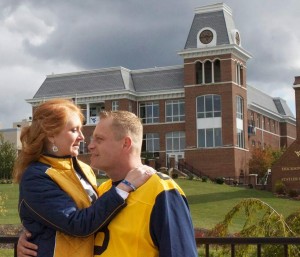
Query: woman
[[58, 200]]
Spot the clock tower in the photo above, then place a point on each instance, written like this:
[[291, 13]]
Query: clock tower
[[215, 93]]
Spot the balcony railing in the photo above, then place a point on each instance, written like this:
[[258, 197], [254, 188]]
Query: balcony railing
[[209, 242]]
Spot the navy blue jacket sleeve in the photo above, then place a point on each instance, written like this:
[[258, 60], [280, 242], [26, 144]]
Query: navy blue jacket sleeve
[[44, 204], [171, 226]]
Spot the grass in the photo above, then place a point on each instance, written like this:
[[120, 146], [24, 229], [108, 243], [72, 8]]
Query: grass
[[209, 202], [11, 205], [6, 252]]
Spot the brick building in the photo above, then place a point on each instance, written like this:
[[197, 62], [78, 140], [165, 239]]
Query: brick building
[[202, 111], [287, 168]]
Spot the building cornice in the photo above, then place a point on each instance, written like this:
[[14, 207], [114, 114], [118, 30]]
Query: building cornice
[[103, 96], [216, 50]]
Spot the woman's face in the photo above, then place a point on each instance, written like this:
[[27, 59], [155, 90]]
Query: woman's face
[[68, 140]]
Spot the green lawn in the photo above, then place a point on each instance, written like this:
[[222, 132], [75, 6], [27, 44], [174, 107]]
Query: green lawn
[[12, 192], [208, 202]]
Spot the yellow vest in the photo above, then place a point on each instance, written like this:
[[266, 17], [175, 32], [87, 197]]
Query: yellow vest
[[128, 234], [62, 173]]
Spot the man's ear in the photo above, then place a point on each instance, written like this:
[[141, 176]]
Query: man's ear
[[127, 143]]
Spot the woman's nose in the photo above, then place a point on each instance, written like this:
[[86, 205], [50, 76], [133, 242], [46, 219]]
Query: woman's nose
[[81, 135]]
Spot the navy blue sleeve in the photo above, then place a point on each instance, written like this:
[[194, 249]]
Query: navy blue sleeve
[[171, 226], [44, 204]]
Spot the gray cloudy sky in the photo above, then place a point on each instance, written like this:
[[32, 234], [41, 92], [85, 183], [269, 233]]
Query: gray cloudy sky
[[42, 37]]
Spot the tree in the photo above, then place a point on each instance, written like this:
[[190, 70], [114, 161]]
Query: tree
[[8, 154], [260, 220], [263, 159]]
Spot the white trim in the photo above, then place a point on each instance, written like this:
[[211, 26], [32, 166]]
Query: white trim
[[216, 50], [214, 8]]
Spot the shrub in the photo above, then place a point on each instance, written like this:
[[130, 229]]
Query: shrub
[[220, 180], [190, 177], [204, 179], [280, 188], [174, 175], [293, 193]]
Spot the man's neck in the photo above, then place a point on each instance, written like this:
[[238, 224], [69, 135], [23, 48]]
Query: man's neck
[[123, 170]]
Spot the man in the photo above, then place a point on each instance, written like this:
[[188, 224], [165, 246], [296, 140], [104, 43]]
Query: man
[[156, 221]]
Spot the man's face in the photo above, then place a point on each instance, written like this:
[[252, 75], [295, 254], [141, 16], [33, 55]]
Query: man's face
[[104, 148]]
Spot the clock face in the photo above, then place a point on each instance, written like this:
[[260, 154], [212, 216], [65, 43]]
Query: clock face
[[237, 38], [206, 36]]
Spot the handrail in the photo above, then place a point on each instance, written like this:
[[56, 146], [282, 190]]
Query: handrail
[[258, 241], [207, 241], [10, 240]]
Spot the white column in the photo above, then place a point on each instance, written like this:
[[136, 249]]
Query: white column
[[88, 113]]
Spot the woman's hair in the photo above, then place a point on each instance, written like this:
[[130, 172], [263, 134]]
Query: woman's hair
[[49, 119]]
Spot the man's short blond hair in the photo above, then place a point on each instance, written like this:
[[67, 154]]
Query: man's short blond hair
[[125, 123]]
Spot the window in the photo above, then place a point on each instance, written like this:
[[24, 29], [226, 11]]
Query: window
[[240, 138], [239, 107], [175, 141], [82, 147], [115, 105], [208, 106], [199, 75], [149, 112], [208, 72], [95, 109], [175, 111], [217, 71], [239, 74], [258, 123], [209, 137], [150, 143], [130, 106], [240, 122]]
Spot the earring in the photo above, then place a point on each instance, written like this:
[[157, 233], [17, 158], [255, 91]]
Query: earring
[[54, 148]]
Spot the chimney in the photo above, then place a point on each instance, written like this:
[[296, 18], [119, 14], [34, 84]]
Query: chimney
[[297, 103]]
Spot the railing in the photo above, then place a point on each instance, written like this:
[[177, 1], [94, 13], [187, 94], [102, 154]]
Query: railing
[[10, 240], [285, 242], [182, 166]]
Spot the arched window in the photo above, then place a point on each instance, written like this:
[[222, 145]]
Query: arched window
[[199, 73], [217, 71], [208, 71], [239, 74]]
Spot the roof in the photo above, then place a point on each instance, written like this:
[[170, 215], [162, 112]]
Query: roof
[[275, 105], [141, 81], [111, 79], [82, 82], [217, 17], [158, 79]]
